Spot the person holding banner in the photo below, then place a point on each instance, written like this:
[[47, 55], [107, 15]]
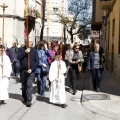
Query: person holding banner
[[27, 74], [5, 71]]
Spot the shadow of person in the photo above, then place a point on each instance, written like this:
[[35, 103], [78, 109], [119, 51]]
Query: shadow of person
[[43, 99], [16, 96]]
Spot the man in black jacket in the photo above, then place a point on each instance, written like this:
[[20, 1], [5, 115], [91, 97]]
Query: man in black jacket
[[27, 75]]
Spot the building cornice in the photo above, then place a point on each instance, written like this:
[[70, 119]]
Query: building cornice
[[13, 16]]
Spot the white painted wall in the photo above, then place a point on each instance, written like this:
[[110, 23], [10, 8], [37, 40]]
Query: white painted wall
[[13, 27]]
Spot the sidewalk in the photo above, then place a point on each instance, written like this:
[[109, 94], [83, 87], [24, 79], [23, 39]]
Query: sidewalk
[[94, 106], [106, 102]]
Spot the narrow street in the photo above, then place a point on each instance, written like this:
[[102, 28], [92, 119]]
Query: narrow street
[[91, 107]]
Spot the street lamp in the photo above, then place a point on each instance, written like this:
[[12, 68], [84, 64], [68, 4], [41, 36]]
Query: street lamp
[[3, 7]]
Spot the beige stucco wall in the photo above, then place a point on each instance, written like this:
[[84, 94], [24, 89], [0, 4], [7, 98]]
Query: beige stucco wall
[[98, 12], [114, 14]]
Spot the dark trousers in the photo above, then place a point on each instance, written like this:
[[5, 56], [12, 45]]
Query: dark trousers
[[73, 78], [96, 78], [27, 87], [15, 67]]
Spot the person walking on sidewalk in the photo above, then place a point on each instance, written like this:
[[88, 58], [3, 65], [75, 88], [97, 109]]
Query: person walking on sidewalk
[[75, 59], [95, 64], [15, 62], [57, 79], [42, 69], [5, 71], [27, 75]]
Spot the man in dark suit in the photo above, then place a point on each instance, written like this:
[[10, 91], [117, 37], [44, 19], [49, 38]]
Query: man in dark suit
[[27, 74]]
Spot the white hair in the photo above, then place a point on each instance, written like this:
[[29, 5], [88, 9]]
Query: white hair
[[30, 38]]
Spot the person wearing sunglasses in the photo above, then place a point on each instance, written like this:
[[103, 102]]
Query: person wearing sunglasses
[[75, 59]]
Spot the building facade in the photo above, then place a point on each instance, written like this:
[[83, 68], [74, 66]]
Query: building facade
[[97, 19], [111, 35], [14, 20], [53, 30]]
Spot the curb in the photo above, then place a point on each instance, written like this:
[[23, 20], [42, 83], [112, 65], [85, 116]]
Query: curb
[[98, 111]]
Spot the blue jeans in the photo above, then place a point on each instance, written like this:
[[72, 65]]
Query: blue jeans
[[15, 67], [38, 83], [96, 78], [41, 84]]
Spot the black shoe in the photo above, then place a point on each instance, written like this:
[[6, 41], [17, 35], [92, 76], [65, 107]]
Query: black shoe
[[2, 102], [28, 104], [64, 105], [24, 101], [97, 89], [74, 92]]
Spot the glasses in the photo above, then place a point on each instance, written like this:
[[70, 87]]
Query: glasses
[[76, 48]]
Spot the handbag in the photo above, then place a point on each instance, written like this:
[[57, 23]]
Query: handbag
[[45, 70], [79, 67]]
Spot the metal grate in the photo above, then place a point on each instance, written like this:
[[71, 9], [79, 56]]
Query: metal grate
[[87, 97], [77, 99]]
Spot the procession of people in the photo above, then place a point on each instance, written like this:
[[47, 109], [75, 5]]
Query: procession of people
[[52, 62]]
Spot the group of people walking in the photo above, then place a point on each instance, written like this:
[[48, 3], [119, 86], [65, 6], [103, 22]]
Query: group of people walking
[[50, 61]]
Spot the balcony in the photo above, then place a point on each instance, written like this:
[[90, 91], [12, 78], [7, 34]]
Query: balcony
[[106, 4], [32, 15], [32, 12]]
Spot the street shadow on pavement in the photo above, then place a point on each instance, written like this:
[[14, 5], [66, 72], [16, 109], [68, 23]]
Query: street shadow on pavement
[[46, 100], [108, 85], [16, 96], [79, 84], [42, 99]]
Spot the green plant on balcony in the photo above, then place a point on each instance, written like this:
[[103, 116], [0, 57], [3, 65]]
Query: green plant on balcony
[[33, 12], [37, 13]]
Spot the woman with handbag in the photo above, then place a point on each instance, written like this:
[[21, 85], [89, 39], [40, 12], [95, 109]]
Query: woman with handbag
[[43, 68], [75, 60]]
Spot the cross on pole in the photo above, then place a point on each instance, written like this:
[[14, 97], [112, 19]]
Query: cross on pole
[[3, 7], [26, 27]]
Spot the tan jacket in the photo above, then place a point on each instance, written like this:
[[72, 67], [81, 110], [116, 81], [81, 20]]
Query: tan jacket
[[69, 56]]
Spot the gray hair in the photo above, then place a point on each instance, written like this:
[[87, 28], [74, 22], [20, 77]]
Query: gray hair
[[30, 38]]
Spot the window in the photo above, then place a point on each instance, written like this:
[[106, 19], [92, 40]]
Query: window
[[55, 31], [45, 20], [55, 9], [55, 18]]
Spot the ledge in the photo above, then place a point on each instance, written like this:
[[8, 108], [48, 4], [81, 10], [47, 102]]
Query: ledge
[[13, 16]]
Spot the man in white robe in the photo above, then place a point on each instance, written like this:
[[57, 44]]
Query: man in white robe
[[5, 66], [57, 79]]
